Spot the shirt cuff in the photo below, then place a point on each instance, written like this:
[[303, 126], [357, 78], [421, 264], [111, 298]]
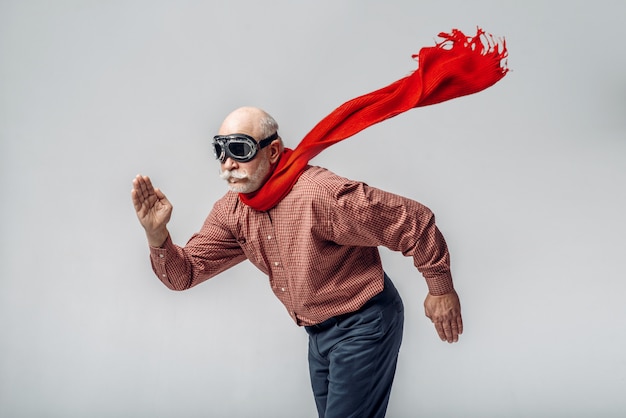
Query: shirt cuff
[[440, 285], [158, 254]]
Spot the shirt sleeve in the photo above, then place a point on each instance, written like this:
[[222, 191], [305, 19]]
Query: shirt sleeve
[[366, 216], [207, 253]]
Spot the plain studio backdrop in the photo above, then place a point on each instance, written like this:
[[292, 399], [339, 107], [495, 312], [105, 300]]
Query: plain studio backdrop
[[527, 180]]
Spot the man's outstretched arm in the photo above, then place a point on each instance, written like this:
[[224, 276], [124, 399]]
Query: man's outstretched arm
[[210, 251]]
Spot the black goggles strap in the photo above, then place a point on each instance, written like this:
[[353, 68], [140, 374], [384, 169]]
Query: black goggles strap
[[265, 142]]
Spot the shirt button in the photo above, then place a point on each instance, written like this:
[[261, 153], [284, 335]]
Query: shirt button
[[276, 263], [161, 256], [269, 237], [282, 289]]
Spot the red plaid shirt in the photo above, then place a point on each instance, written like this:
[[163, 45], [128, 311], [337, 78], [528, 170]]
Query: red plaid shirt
[[318, 245]]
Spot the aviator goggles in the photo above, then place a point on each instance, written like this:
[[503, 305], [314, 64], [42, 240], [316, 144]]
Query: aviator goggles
[[239, 147]]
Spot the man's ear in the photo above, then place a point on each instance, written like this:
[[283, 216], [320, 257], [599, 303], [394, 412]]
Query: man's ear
[[275, 150]]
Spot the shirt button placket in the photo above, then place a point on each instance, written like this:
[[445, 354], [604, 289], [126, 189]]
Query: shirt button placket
[[274, 254]]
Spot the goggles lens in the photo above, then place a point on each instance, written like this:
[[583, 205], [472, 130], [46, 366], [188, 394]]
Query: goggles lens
[[239, 147], [235, 150]]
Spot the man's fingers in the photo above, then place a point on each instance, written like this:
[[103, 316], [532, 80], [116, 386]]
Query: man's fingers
[[143, 185], [440, 330], [146, 187], [449, 330], [455, 332], [137, 188], [136, 201], [144, 191], [143, 195], [137, 194]]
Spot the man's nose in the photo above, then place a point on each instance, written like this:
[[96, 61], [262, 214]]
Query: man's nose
[[230, 164]]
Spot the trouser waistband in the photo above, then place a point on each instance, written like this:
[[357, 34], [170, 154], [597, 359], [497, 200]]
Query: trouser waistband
[[388, 294]]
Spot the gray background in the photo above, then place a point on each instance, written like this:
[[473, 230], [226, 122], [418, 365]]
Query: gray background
[[526, 178]]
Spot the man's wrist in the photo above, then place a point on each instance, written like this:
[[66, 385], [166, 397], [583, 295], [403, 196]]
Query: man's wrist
[[156, 239]]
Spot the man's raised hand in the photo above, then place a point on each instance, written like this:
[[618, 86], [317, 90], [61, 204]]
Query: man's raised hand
[[153, 210]]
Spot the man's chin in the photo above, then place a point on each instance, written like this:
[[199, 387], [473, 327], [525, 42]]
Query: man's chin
[[241, 188], [236, 189]]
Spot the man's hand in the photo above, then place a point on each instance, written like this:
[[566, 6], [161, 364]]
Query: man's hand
[[153, 210], [445, 313]]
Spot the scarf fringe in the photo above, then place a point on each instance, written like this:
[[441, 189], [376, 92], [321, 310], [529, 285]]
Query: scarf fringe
[[482, 43]]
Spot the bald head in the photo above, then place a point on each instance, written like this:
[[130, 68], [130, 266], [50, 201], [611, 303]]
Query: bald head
[[250, 121]]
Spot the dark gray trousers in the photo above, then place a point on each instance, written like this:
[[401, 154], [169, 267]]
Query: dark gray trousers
[[352, 357]]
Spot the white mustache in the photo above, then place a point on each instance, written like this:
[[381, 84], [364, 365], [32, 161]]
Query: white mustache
[[234, 174]]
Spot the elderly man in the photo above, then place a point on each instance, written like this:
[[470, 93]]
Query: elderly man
[[318, 247]]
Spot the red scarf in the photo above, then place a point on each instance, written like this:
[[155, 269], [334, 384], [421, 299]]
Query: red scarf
[[455, 67]]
